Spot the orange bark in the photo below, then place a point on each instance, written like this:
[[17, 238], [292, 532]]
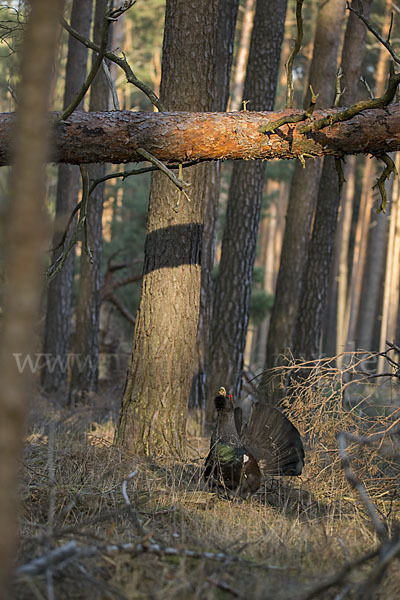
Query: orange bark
[[180, 136]]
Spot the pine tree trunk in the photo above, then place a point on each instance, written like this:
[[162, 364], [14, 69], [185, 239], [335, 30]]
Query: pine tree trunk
[[84, 375], [225, 40], [312, 305], [271, 258], [343, 246], [363, 303], [234, 281], [303, 195], [58, 313], [374, 276], [392, 274], [154, 406], [359, 254], [24, 237], [242, 56]]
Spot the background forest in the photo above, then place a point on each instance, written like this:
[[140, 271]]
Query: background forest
[[292, 299]]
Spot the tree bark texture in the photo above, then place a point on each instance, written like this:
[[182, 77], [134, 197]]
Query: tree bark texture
[[24, 237], [227, 14], [85, 369], [235, 275], [392, 274], [58, 312], [369, 317], [154, 406], [181, 136], [314, 287], [364, 296], [304, 191]]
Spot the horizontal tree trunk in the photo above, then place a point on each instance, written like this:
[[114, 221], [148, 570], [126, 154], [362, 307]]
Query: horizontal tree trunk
[[179, 136]]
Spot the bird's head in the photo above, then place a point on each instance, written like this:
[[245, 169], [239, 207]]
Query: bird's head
[[224, 401]]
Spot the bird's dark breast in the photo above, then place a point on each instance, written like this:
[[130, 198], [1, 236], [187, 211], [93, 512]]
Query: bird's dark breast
[[236, 469], [222, 403]]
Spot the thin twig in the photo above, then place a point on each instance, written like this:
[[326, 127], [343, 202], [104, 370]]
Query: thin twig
[[92, 74], [293, 54], [125, 174], [111, 85], [355, 109], [180, 184], [339, 577], [121, 62], [343, 437], [380, 184], [288, 119], [84, 209], [367, 87], [360, 14], [121, 307], [388, 553], [83, 205], [132, 511], [339, 91]]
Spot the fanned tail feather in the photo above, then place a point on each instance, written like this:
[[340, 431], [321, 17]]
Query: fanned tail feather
[[273, 441]]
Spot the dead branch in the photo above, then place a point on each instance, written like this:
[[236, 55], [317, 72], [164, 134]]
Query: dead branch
[[290, 119], [356, 109], [294, 53], [72, 551], [121, 62], [109, 286], [132, 511], [361, 15], [58, 264], [181, 136], [92, 73], [339, 578], [388, 552], [121, 307], [180, 184], [380, 184], [343, 439]]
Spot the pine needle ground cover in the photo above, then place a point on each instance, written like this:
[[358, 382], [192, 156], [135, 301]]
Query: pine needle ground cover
[[130, 528]]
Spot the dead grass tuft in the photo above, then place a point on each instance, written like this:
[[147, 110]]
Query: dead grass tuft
[[278, 544]]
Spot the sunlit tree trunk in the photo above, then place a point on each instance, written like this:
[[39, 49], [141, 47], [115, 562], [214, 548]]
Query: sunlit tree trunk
[[233, 285], [367, 243], [24, 237], [392, 274], [58, 313], [342, 248], [367, 336], [242, 56], [154, 406], [270, 257], [303, 195], [84, 375]]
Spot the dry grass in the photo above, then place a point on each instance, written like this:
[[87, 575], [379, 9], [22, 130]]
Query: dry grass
[[282, 541]]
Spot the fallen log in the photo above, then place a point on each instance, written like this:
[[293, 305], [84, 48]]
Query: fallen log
[[115, 136]]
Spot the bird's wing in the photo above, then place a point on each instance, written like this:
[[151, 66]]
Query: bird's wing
[[273, 441]]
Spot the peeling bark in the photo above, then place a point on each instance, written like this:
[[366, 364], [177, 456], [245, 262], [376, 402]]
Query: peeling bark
[[114, 136]]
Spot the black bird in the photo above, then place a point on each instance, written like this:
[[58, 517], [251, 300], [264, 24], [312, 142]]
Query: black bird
[[267, 443]]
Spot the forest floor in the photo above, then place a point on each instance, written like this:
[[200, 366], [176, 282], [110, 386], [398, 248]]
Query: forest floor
[[183, 541]]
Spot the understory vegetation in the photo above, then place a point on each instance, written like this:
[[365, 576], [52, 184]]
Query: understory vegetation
[[136, 528]]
